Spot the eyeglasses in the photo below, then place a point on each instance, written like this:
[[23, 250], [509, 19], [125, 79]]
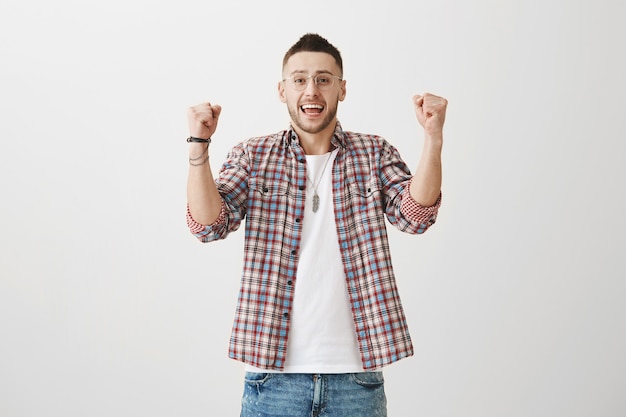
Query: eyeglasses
[[322, 81]]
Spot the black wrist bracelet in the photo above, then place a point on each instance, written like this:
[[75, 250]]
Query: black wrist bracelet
[[198, 140]]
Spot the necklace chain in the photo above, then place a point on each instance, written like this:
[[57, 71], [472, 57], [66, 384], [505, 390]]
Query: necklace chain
[[316, 197], [321, 174]]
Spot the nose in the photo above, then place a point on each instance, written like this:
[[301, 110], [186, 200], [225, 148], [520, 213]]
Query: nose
[[311, 87]]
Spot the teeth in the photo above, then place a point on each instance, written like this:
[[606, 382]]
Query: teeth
[[312, 106]]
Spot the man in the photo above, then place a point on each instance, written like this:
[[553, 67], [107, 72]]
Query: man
[[318, 314]]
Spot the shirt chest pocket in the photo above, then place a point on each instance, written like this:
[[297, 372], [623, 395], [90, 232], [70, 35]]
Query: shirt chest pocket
[[267, 194], [365, 194]]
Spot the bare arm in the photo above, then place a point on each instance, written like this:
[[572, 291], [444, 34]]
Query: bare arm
[[426, 184], [205, 202]]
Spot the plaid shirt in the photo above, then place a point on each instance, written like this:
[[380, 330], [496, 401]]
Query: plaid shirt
[[264, 181]]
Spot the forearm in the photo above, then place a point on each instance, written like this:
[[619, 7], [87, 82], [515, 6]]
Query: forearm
[[203, 198], [426, 182]]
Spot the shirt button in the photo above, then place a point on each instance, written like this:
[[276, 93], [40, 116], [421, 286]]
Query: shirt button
[[290, 282], [297, 220], [301, 160], [265, 189], [293, 252], [302, 188], [285, 315]]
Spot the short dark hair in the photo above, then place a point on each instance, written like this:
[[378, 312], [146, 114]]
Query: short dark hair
[[312, 42]]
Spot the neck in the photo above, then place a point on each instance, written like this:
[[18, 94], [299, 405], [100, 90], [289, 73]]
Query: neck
[[316, 146], [316, 143]]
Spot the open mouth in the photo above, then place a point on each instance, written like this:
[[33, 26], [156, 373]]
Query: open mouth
[[312, 108]]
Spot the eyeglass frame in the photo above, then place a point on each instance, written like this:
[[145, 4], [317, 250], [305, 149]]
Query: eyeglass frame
[[314, 77]]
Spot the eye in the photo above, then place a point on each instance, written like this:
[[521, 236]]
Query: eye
[[299, 80], [322, 80]]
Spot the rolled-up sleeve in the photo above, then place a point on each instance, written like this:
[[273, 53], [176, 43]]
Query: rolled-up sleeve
[[402, 210], [232, 186], [423, 216], [207, 233]]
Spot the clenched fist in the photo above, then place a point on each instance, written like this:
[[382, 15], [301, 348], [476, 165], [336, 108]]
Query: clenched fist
[[431, 113], [202, 120]]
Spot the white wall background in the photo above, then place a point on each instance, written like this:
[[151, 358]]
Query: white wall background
[[515, 298]]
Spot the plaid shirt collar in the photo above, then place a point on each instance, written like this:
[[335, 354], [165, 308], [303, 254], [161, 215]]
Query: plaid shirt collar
[[338, 140]]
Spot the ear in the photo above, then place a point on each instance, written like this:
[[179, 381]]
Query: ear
[[281, 92], [342, 93]]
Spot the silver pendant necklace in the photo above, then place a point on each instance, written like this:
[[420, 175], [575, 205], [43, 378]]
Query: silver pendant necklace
[[316, 196]]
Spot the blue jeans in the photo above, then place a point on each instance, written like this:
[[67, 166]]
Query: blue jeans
[[311, 395]]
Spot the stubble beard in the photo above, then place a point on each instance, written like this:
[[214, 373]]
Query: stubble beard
[[295, 115]]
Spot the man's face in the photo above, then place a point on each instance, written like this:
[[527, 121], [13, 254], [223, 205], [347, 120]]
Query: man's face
[[314, 108]]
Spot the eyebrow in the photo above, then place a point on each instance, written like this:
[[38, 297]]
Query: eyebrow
[[306, 72]]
